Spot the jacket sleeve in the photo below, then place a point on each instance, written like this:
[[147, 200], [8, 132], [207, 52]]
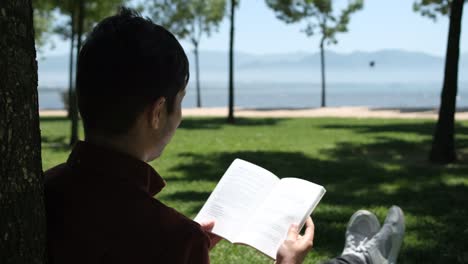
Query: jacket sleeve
[[195, 249]]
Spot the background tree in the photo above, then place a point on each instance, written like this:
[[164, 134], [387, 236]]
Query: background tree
[[22, 221], [320, 16], [72, 101], [83, 15], [232, 13], [43, 17], [443, 143], [189, 19], [90, 12]]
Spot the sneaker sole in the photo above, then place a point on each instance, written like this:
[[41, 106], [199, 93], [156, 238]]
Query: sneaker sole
[[367, 213], [401, 230]]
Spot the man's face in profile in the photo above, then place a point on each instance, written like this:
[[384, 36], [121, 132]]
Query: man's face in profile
[[169, 124]]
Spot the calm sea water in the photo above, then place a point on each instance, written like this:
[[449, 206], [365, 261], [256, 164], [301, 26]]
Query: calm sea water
[[300, 95]]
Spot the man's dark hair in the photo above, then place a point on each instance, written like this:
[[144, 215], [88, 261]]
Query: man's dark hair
[[127, 63]]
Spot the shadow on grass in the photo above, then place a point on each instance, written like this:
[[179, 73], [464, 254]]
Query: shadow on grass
[[55, 133], [405, 109], [376, 175], [57, 143], [53, 119], [54, 142], [420, 128], [189, 196], [416, 109], [217, 123]]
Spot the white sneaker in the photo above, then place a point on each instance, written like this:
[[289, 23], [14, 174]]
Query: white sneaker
[[362, 226], [383, 248]]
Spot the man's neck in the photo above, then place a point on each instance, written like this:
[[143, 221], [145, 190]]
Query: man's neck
[[126, 144]]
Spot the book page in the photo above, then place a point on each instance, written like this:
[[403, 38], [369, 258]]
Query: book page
[[236, 197], [290, 202]]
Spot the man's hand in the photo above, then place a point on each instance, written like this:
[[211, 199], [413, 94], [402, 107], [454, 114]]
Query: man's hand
[[295, 248], [207, 227]]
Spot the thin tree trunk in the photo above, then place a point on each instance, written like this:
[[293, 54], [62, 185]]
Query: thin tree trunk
[[322, 60], [197, 73], [72, 48], [231, 65], [443, 144], [73, 102], [22, 216]]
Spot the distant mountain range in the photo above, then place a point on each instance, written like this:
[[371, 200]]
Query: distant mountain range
[[389, 66]]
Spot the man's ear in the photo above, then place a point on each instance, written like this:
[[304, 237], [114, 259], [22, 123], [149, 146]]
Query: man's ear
[[156, 111]]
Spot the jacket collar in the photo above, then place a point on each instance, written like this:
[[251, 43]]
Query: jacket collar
[[115, 165]]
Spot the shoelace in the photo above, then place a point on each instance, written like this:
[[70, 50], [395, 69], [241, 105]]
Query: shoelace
[[352, 245], [372, 243], [362, 245]]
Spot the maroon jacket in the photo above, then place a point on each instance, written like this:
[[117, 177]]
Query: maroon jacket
[[100, 209]]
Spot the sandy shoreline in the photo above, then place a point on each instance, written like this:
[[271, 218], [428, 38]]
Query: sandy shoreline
[[356, 112]]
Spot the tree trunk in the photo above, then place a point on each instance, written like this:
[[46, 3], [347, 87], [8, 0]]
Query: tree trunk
[[22, 216], [72, 48], [197, 73], [443, 143], [322, 61], [73, 102], [231, 65]]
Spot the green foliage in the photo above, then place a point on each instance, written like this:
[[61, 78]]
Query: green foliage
[[46, 12], [319, 14], [188, 19], [95, 11], [43, 16], [363, 163], [433, 8]]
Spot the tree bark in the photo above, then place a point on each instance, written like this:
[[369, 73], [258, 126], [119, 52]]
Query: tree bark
[[72, 48], [73, 101], [197, 73], [322, 61], [231, 65], [22, 216], [443, 143]]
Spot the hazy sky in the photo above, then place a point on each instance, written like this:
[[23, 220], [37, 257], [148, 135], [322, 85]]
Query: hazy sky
[[382, 24]]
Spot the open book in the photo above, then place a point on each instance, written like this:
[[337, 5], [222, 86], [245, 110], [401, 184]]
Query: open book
[[252, 206]]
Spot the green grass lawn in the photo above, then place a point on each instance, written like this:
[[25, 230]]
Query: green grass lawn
[[363, 163]]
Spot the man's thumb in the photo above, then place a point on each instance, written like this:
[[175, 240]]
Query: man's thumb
[[293, 232]]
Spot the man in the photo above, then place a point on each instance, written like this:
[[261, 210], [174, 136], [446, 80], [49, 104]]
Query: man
[[132, 76]]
